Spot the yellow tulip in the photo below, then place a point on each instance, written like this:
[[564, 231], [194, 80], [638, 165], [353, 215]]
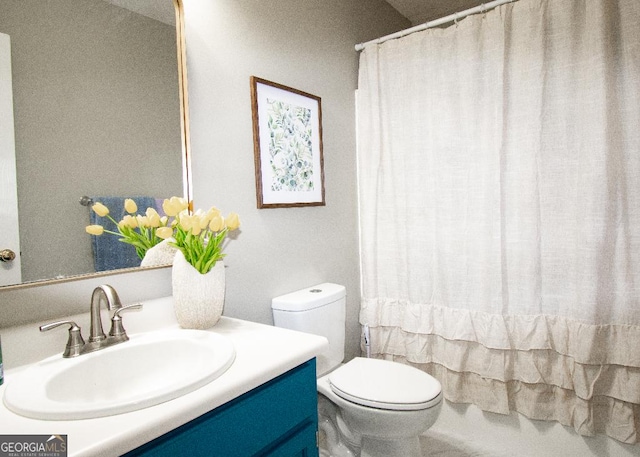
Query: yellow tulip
[[187, 221], [233, 221], [164, 232], [153, 218], [100, 209], [143, 221], [168, 208], [94, 229], [174, 205], [213, 212], [217, 223], [201, 218], [130, 206], [128, 221], [208, 216]]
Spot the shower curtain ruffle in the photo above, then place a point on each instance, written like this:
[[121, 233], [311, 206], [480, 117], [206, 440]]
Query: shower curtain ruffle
[[504, 363], [585, 343], [600, 414]]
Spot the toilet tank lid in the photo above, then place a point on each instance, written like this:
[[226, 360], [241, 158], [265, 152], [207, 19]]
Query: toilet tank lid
[[309, 298]]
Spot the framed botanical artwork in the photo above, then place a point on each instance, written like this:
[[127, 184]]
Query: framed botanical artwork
[[287, 139]]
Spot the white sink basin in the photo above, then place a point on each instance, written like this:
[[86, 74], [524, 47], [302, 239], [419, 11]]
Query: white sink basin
[[148, 369]]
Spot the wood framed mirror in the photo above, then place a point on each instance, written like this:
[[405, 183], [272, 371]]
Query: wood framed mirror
[[96, 113]]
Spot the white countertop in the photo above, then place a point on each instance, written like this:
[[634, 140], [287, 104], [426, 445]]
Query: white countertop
[[263, 352]]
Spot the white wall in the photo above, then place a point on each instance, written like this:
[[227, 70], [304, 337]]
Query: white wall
[[307, 45]]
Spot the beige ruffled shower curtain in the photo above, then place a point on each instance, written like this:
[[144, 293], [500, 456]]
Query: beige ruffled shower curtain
[[499, 179]]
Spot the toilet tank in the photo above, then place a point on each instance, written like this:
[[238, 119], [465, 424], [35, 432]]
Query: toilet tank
[[319, 310]]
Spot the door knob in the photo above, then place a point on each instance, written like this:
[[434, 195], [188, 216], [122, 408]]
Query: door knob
[[7, 255]]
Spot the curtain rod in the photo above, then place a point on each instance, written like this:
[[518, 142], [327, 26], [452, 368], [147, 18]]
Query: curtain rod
[[427, 25]]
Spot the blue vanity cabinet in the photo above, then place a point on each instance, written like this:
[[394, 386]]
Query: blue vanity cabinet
[[278, 418]]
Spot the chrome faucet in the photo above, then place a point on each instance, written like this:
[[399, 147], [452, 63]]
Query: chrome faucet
[[109, 295], [97, 339]]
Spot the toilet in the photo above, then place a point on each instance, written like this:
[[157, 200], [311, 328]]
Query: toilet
[[366, 407]]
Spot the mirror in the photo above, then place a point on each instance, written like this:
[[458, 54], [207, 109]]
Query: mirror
[[96, 113]]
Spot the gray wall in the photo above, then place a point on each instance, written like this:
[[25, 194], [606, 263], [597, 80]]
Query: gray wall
[[96, 113], [307, 45]]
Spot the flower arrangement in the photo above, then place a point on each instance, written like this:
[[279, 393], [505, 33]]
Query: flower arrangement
[[138, 230], [199, 235]]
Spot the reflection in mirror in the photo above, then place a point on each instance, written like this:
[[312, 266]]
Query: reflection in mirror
[[96, 113]]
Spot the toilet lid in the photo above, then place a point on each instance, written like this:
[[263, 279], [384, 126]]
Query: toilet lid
[[385, 385]]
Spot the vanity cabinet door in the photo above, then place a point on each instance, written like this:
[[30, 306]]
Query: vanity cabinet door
[[278, 418]]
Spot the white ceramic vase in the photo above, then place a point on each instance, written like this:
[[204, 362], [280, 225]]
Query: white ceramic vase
[[198, 298], [161, 254]]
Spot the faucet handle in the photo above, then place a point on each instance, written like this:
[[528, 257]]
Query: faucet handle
[[117, 330], [75, 341]]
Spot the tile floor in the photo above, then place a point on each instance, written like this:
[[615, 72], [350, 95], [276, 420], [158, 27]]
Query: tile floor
[[433, 446], [436, 446]]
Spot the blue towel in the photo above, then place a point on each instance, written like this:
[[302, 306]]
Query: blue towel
[[108, 252]]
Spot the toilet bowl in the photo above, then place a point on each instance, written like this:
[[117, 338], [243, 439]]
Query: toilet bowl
[[366, 407], [381, 407]]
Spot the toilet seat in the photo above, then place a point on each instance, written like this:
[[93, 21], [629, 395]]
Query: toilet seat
[[385, 385]]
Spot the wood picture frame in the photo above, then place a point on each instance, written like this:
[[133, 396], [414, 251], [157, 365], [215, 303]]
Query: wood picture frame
[[287, 138]]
